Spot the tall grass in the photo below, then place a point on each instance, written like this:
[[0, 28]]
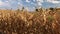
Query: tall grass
[[23, 22]]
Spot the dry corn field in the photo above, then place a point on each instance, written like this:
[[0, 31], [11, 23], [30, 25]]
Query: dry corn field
[[24, 22]]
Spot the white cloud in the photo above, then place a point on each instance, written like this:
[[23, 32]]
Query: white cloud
[[53, 1], [4, 3], [20, 4], [1, 3], [40, 1], [27, 1]]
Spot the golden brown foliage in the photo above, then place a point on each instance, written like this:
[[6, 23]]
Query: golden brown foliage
[[23, 22]]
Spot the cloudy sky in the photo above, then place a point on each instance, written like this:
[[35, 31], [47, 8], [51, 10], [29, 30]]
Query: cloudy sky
[[28, 4]]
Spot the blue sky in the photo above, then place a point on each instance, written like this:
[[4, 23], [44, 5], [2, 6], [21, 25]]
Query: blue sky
[[28, 4]]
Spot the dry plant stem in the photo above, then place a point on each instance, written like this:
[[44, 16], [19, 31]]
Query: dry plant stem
[[55, 18], [44, 15]]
